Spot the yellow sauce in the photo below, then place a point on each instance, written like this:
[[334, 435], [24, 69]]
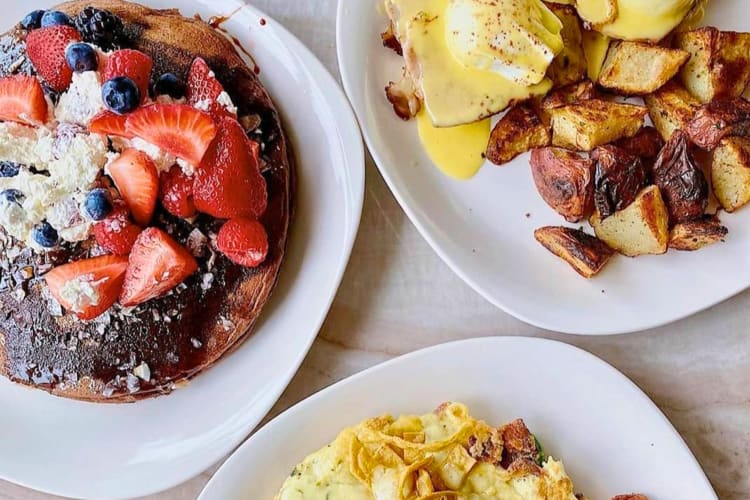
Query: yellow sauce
[[646, 19], [595, 46], [457, 151]]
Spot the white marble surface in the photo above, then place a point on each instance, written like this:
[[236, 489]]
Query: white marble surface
[[398, 296]]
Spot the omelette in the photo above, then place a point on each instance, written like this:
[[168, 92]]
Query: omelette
[[443, 455]]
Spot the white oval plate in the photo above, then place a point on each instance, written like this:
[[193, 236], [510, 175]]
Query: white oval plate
[[610, 436], [103, 451], [483, 228]]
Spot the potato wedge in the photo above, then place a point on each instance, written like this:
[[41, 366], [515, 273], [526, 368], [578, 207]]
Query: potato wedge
[[640, 229], [696, 234], [671, 108], [717, 120], [564, 180], [597, 11], [517, 132], [585, 253], [619, 176], [570, 65], [570, 94], [634, 68], [591, 123], [646, 144], [719, 65], [730, 173]]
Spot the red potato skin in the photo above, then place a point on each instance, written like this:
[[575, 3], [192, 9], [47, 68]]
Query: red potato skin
[[565, 181]]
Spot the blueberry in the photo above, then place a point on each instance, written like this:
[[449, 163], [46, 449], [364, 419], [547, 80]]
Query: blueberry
[[33, 20], [54, 18], [81, 57], [98, 204], [169, 84], [9, 169], [121, 94], [45, 235], [12, 196]]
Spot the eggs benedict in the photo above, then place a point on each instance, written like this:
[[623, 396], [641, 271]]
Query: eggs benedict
[[644, 20]]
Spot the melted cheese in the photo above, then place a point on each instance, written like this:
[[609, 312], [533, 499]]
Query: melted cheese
[[595, 46], [457, 151], [647, 19]]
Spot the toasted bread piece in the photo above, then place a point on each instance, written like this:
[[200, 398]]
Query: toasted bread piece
[[570, 65], [671, 108], [517, 132], [717, 120], [634, 68], [585, 253], [564, 180], [730, 173], [719, 65], [591, 123], [696, 234], [640, 229]]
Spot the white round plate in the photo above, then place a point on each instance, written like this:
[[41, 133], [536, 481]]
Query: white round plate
[[610, 436], [104, 451], [483, 228]]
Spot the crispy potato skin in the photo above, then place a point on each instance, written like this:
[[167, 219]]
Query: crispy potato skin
[[717, 120], [588, 124], [631, 496], [618, 178], [719, 65], [646, 144], [519, 448], [403, 96], [570, 94], [730, 173], [696, 234], [390, 40], [565, 181], [671, 108], [635, 68], [586, 254], [517, 132], [570, 65]]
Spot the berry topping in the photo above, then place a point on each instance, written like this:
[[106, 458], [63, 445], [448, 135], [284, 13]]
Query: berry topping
[[54, 18], [157, 264], [228, 183], [81, 57], [98, 204], [45, 235], [243, 241], [12, 196], [131, 63], [100, 27], [117, 233], [9, 169], [137, 180], [203, 89], [121, 94], [88, 287], [33, 20], [169, 84], [108, 123], [46, 50], [178, 129], [176, 192], [22, 100]]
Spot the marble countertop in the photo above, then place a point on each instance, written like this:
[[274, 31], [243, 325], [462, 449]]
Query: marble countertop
[[398, 296]]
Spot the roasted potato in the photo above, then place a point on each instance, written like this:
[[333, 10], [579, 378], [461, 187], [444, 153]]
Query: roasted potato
[[671, 108], [595, 48], [634, 68], [570, 65], [730, 173], [564, 180], [586, 254], [570, 94], [696, 234], [518, 131], [646, 144], [640, 229], [588, 124], [682, 183], [597, 11], [618, 178], [719, 65], [631, 496], [717, 120]]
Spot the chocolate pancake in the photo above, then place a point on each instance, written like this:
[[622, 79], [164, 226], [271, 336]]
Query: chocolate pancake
[[129, 354]]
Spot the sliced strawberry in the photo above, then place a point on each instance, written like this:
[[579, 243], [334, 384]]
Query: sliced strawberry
[[203, 89], [108, 123], [117, 233], [157, 264], [176, 192], [131, 63], [137, 180], [22, 100], [88, 287], [178, 129], [243, 241], [228, 183], [46, 50]]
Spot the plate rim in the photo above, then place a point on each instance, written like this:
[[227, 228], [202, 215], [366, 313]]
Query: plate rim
[[311, 400]]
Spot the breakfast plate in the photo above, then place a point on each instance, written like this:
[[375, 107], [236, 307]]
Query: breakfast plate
[[610, 436], [483, 228], [82, 450]]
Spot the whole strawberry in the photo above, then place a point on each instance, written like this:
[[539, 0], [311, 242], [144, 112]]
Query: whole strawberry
[[46, 50]]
